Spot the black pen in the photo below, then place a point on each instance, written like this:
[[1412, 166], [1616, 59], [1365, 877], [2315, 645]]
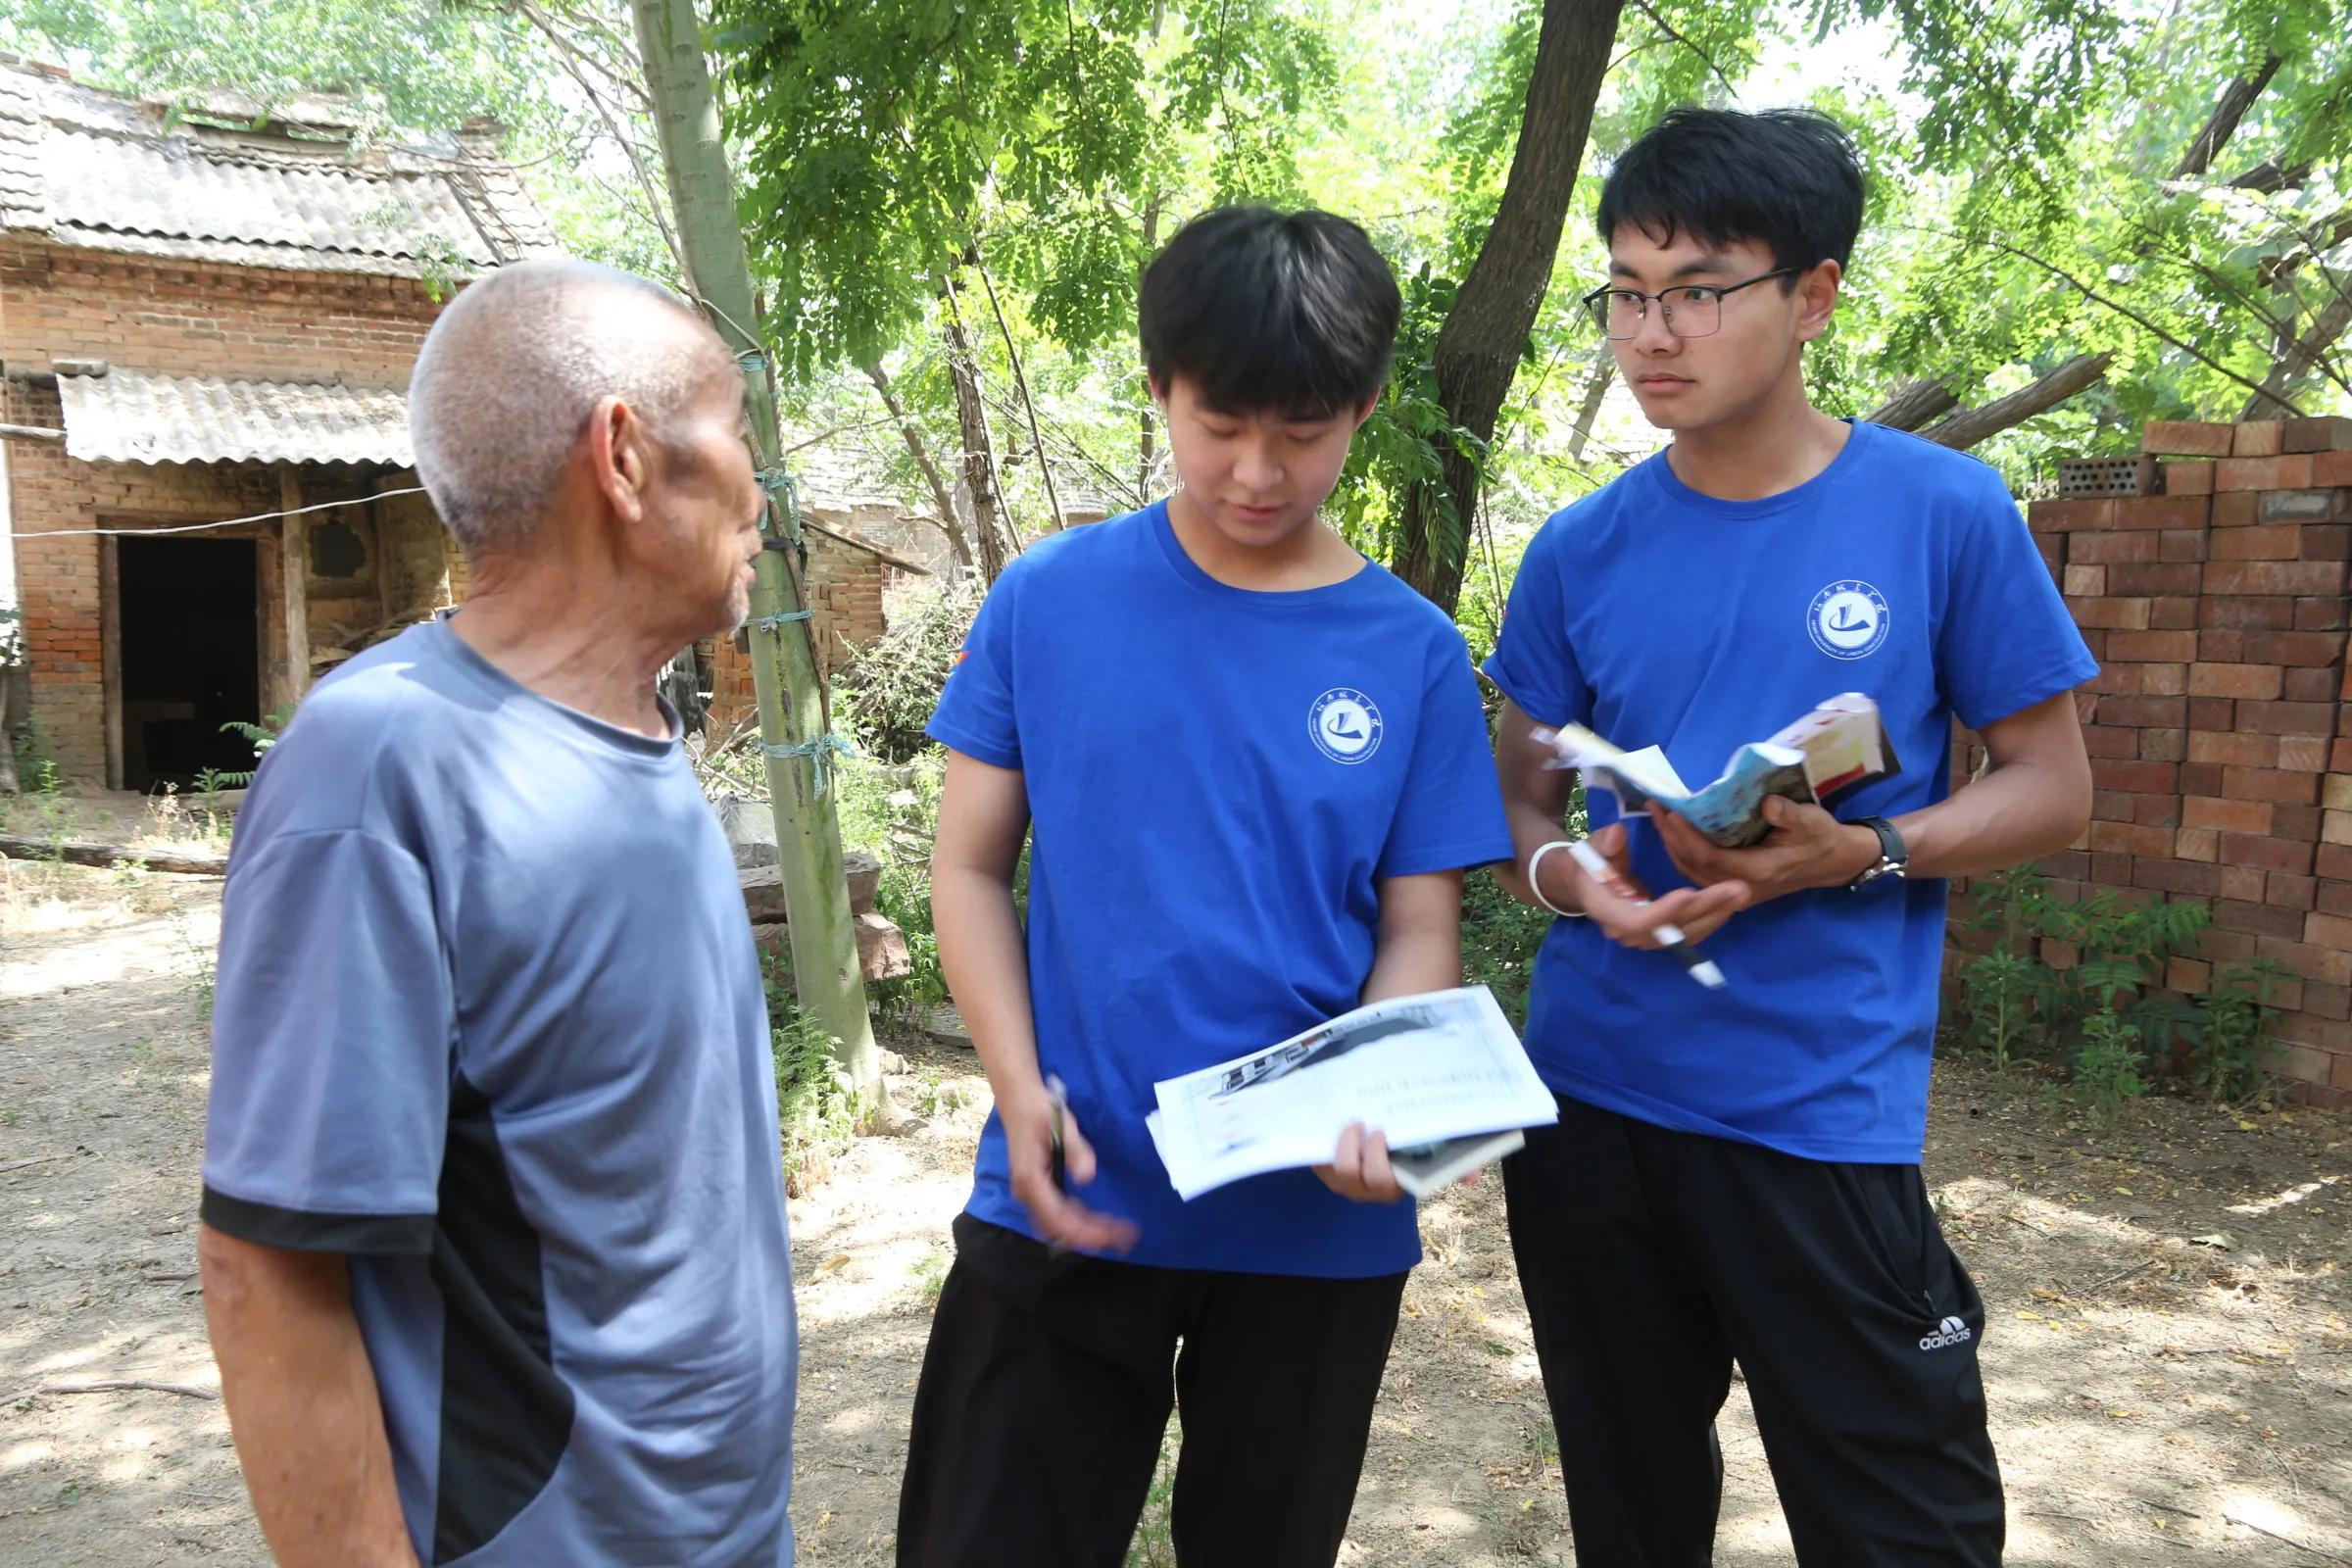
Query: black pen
[[1059, 1096]]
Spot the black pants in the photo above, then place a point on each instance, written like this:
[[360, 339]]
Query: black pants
[[1048, 1385], [1653, 1259]]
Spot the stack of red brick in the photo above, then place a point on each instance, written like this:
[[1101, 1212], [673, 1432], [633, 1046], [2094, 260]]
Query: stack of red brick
[[2216, 602]]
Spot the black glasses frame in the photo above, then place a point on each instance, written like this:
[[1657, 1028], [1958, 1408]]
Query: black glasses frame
[[1597, 303]]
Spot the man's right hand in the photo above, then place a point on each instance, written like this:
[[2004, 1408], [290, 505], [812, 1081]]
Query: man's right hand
[[1627, 914], [1058, 1217]]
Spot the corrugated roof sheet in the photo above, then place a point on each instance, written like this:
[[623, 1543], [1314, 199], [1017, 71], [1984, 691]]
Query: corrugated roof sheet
[[106, 172], [173, 188], [127, 416]]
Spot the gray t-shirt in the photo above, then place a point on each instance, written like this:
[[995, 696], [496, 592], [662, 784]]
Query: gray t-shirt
[[489, 1022]]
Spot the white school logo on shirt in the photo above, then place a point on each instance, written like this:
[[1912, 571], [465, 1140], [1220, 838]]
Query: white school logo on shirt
[[1847, 619], [1346, 725]]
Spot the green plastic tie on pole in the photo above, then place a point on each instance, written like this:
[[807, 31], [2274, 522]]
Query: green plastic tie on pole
[[780, 487], [781, 619], [825, 752]]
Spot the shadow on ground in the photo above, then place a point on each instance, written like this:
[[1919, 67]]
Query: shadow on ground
[[2169, 1360]]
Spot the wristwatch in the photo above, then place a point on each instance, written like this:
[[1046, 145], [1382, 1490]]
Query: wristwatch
[[1895, 856]]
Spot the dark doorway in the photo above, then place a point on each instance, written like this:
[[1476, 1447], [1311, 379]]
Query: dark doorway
[[188, 612]]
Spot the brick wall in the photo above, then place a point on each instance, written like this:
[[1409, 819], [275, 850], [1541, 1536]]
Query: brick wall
[[203, 318], [2217, 603], [844, 588], [180, 318]]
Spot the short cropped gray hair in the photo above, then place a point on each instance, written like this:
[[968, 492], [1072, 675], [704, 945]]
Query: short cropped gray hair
[[508, 376]]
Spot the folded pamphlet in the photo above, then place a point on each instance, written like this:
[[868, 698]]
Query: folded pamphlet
[[1431, 1168], [1839, 745], [1441, 1073]]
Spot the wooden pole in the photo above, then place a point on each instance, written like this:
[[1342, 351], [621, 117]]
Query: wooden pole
[[294, 538], [110, 662], [784, 671]]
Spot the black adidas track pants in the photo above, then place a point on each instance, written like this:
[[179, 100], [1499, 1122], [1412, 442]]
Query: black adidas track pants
[[1653, 1260]]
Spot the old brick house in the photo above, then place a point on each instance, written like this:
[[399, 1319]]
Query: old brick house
[[220, 320], [219, 316]]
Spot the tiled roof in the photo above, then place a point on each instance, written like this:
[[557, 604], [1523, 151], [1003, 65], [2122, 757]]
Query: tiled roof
[[126, 417], [105, 171]]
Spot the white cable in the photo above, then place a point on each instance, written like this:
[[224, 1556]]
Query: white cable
[[200, 527]]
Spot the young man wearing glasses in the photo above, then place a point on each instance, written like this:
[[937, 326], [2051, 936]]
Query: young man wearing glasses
[[1736, 1172]]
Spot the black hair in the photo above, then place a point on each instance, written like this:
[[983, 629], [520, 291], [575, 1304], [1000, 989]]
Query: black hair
[[1287, 313], [1787, 179]]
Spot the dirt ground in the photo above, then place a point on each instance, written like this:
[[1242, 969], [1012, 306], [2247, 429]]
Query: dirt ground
[[2169, 1358]]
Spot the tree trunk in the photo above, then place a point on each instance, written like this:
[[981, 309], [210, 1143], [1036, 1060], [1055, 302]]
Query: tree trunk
[[1478, 346], [1596, 392], [827, 977], [2236, 99], [2268, 178], [1912, 404], [1971, 426], [2318, 239], [185, 862], [2305, 355], [941, 497], [1020, 383], [1146, 455], [979, 452]]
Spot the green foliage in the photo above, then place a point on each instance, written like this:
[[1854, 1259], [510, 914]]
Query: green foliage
[[408, 69], [934, 1097], [1404, 444], [2098, 1010], [263, 735], [892, 815], [879, 139], [1996, 1006], [2230, 1054], [2107, 1064], [2012, 999], [1154, 1542], [203, 963], [930, 1274], [1500, 937], [816, 1104], [887, 693], [42, 808], [406, 63]]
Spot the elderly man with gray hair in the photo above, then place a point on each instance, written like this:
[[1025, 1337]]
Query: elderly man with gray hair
[[494, 1238]]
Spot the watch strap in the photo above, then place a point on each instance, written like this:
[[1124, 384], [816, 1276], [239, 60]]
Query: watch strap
[[1894, 856]]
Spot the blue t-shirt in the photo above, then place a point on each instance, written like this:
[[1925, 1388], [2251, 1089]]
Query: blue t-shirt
[[1217, 781], [489, 1022], [1657, 615]]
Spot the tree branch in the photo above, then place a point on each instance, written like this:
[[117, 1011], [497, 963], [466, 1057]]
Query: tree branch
[[2268, 178], [2330, 232], [2098, 297], [2306, 354], [1020, 380], [1668, 29], [940, 496], [1912, 404], [564, 53], [2221, 125], [1596, 391], [1971, 426]]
